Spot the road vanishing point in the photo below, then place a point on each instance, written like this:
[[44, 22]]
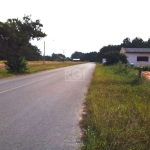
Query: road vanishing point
[[41, 111]]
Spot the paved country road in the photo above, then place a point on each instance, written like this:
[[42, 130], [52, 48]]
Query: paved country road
[[41, 111]]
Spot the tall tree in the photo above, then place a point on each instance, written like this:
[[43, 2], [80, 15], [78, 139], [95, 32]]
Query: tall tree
[[137, 43], [126, 43], [105, 49], [32, 53], [113, 57], [15, 36], [58, 57], [91, 57], [77, 54]]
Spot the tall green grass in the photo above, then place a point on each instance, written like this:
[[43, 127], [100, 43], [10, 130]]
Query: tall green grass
[[4, 73], [117, 110]]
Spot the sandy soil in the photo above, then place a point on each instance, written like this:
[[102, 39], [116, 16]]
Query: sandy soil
[[146, 74], [2, 65]]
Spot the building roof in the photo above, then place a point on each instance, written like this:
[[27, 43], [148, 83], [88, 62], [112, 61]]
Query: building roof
[[137, 50]]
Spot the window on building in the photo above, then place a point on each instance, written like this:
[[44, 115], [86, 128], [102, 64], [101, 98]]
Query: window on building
[[142, 58]]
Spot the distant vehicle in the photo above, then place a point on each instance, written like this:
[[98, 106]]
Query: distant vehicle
[[131, 64], [104, 62]]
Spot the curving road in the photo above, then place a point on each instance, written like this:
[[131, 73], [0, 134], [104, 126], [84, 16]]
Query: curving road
[[41, 111]]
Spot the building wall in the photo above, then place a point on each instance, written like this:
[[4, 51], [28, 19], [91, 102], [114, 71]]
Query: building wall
[[123, 51], [132, 58]]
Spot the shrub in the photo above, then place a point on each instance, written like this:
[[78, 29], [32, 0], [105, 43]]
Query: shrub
[[122, 69], [146, 68], [143, 68], [113, 57], [16, 65]]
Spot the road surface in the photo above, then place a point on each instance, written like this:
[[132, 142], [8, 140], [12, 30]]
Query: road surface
[[41, 111]]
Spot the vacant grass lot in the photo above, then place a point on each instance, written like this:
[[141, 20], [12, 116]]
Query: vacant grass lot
[[35, 66], [117, 110]]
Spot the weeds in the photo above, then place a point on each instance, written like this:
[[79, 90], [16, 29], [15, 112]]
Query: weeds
[[117, 111], [35, 66], [122, 69]]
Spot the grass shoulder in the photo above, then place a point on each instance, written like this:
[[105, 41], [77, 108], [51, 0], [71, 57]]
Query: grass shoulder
[[36, 66], [117, 110]]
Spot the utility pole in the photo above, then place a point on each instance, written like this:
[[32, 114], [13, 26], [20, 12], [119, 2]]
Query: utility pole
[[64, 55], [44, 55]]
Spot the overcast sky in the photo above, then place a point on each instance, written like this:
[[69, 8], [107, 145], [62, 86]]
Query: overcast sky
[[83, 25]]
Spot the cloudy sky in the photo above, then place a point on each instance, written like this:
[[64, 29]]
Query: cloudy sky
[[82, 25]]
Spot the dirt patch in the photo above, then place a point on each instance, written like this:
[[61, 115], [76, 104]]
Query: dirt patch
[[2, 65], [146, 74]]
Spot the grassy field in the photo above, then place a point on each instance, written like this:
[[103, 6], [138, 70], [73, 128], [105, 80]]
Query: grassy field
[[117, 110], [35, 66]]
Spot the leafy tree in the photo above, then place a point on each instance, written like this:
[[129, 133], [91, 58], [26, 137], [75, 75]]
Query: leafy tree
[[58, 57], [77, 54], [91, 57], [147, 44], [48, 58], [113, 57], [106, 49], [15, 37], [32, 53], [137, 43], [126, 43]]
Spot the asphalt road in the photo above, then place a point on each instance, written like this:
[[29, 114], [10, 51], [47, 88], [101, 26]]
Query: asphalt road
[[41, 111]]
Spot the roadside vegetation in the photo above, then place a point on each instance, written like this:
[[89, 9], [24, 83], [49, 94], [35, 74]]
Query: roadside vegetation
[[117, 110], [35, 66]]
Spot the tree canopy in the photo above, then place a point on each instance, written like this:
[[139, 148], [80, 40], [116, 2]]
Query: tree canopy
[[91, 56], [15, 37], [127, 43], [113, 57], [77, 54]]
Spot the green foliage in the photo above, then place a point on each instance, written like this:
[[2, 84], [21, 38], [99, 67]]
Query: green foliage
[[58, 57], [36, 66], [127, 43], [122, 69], [117, 111], [77, 55], [15, 36], [32, 53], [113, 57], [91, 56], [16, 65], [137, 80], [146, 68], [143, 68], [107, 49], [92, 139]]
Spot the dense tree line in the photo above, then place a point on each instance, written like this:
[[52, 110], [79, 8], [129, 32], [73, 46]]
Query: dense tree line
[[127, 43], [106, 51], [91, 56], [16, 47], [57, 57]]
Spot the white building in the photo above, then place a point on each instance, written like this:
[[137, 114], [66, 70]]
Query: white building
[[138, 56]]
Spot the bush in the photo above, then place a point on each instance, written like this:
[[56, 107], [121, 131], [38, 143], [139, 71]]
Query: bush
[[146, 68], [143, 68], [122, 69], [16, 65], [113, 57]]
